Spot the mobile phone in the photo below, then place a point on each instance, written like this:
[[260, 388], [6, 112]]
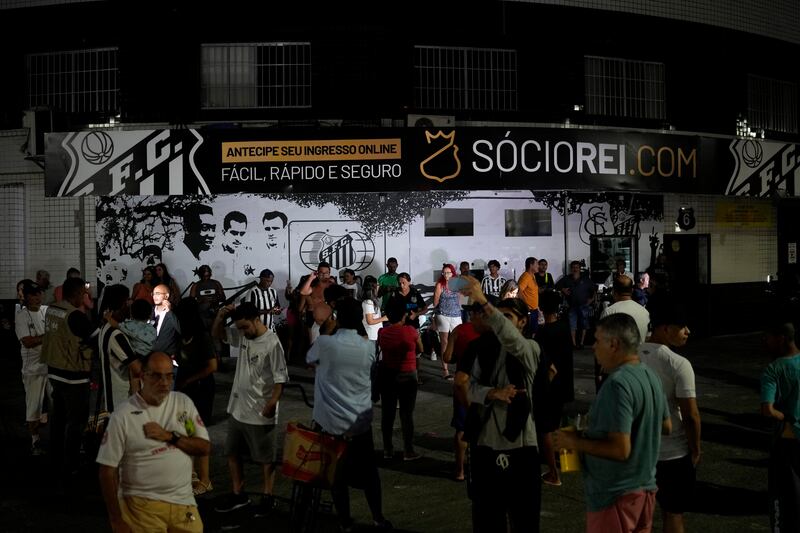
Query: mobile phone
[[456, 284]]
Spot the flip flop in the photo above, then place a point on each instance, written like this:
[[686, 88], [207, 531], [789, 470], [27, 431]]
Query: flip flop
[[556, 483]]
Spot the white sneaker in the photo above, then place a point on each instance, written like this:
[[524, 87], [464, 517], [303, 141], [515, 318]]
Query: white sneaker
[[433, 356]]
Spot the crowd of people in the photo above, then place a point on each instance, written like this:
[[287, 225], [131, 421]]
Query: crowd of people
[[507, 346]]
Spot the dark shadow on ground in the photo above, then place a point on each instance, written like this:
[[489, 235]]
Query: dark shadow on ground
[[424, 466], [729, 377], [729, 501], [735, 436]]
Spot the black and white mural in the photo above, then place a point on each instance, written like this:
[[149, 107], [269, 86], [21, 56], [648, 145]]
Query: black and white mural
[[238, 235]]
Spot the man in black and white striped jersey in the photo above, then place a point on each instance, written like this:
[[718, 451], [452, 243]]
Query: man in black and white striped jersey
[[492, 283], [265, 298]]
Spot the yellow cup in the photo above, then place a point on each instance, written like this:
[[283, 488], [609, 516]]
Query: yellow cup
[[570, 462]]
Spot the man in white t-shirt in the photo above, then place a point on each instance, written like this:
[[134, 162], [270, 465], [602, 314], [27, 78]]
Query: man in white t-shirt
[[29, 326], [146, 454], [253, 405], [680, 450], [624, 303]]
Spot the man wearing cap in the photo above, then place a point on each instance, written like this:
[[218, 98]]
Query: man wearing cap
[[504, 453], [68, 356], [29, 325], [680, 450], [780, 402], [620, 446], [461, 352], [265, 298]]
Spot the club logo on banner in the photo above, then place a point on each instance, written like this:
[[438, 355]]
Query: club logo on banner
[[763, 167], [353, 250], [444, 163], [131, 162]]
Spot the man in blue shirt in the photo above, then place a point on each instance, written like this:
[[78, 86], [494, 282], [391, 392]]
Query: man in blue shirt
[[780, 401], [343, 407]]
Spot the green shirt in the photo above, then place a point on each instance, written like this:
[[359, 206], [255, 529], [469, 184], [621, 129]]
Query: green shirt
[[780, 386], [387, 280], [630, 401]]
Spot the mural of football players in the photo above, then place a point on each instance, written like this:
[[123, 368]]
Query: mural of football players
[[199, 228], [274, 222], [234, 227], [151, 255]]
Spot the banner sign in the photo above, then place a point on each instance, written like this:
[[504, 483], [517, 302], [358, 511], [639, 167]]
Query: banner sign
[[219, 161]]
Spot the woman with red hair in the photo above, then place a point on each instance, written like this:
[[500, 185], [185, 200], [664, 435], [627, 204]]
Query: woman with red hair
[[448, 309]]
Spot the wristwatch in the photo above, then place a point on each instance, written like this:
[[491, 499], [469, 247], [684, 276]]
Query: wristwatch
[[175, 438]]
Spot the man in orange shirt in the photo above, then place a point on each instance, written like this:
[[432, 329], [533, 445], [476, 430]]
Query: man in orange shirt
[[529, 292]]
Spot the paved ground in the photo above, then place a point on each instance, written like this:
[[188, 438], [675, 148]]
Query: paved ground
[[419, 496]]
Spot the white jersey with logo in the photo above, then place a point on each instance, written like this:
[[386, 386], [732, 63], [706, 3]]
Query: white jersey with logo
[[151, 468], [31, 324], [259, 367]]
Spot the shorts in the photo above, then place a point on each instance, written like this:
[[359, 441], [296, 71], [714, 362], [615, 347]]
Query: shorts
[[257, 441], [629, 512], [675, 479], [35, 387], [459, 416], [144, 514], [446, 324], [579, 317]]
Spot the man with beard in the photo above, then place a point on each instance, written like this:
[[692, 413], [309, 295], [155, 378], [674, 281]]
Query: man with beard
[[253, 405], [167, 329], [146, 456]]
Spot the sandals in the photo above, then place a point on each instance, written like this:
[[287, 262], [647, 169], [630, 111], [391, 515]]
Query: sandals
[[549, 480], [199, 488]]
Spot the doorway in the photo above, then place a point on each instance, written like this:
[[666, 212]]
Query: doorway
[[688, 270]]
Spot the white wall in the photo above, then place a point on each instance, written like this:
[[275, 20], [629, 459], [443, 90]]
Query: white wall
[[51, 239]]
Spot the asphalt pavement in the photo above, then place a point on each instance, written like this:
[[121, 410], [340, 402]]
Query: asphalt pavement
[[420, 496]]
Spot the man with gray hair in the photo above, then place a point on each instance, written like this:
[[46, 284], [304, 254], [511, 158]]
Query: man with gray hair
[[621, 443], [146, 453]]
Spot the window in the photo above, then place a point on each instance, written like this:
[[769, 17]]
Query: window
[[261, 75], [79, 81], [465, 78], [772, 104], [448, 223], [528, 223], [624, 88]]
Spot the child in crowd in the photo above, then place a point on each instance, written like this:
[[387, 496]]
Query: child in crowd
[[139, 332]]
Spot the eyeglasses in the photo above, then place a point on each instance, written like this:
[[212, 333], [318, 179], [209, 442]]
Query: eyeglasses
[[156, 293], [156, 376]]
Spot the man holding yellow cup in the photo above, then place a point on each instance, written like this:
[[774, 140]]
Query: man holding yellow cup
[[620, 445]]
